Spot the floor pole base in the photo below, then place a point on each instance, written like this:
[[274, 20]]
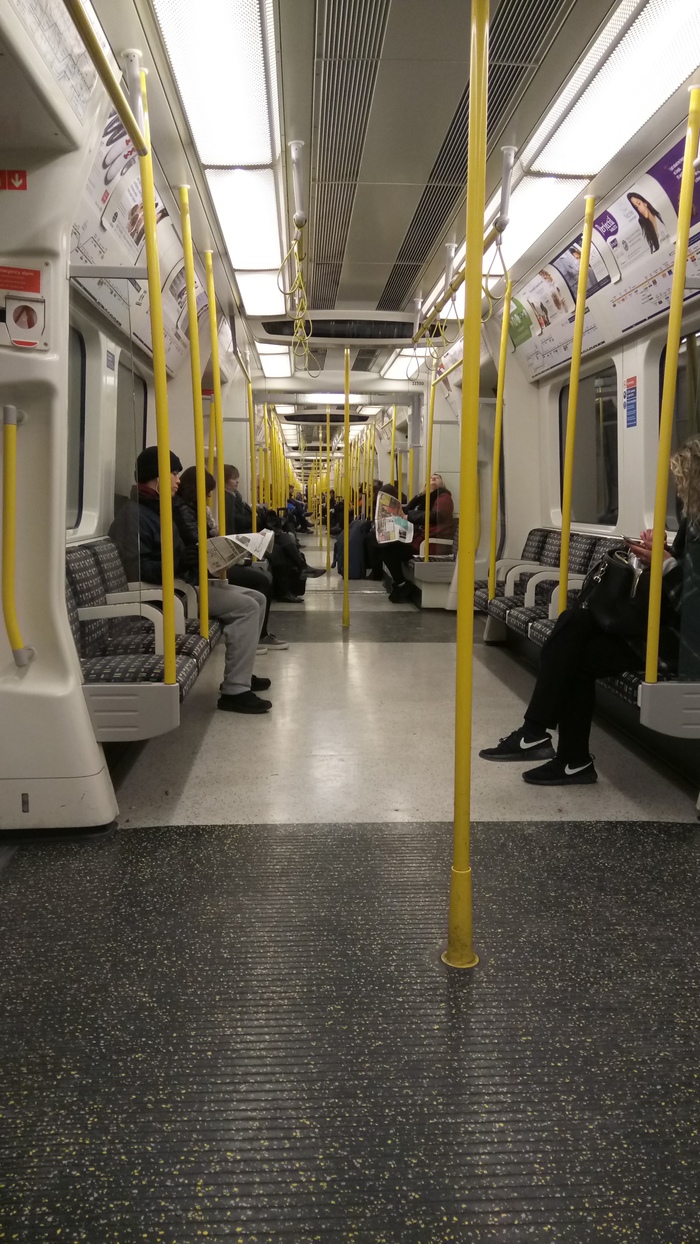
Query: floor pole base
[[460, 951]]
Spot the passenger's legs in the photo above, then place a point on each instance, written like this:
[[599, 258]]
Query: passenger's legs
[[241, 611], [259, 579], [395, 556]]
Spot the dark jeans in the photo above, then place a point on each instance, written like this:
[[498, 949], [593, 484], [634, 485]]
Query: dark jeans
[[576, 653], [256, 577], [395, 556]]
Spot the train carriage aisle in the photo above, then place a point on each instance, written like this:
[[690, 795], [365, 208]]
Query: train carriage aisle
[[243, 320]]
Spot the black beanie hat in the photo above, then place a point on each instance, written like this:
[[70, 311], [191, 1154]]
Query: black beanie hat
[[147, 464]]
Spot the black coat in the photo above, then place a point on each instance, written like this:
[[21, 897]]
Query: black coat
[[239, 515], [136, 533]]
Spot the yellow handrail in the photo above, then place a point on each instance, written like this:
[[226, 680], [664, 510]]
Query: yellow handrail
[[452, 288], [267, 483], [328, 489], [572, 411], [253, 479], [409, 482], [372, 446], [460, 950], [429, 465], [216, 373], [161, 387], [685, 207], [497, 439], [211, 433], [107, 76], [197, 412], [21, 655], [392, 478], [346, 502]]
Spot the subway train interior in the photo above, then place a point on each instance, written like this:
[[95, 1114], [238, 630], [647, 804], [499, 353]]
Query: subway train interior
[[350, 387]]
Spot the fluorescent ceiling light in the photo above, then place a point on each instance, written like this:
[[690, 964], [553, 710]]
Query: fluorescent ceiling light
[[217, 54], [660, 50], [276, 365], [328, 399], [576, 82], [267, 347], [405, 365], [534, 206], [285, 410], [246, 204], [261, 293], [370, 410]]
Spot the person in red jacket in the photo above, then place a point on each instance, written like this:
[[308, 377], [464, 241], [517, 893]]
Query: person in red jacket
[[442, 526]]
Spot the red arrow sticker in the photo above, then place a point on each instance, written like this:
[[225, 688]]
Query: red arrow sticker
[[16, 179]]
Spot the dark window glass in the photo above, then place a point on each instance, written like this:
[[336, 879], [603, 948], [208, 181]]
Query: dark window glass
[[595, 484], [132, 411], [76, 428], [686, 413]]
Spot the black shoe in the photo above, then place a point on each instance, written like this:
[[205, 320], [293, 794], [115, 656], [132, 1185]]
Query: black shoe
[[399, 593], [260, 684], [312, 572], [288, 599], [516, 747], [559, 773], [244, 702]]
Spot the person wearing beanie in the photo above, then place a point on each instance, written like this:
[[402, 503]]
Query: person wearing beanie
[[241, 611]]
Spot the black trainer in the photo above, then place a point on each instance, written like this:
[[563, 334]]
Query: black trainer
[[244, 702], [516, 747], [260, 684], [560, 773]]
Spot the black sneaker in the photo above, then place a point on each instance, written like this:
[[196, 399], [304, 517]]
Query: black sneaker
[[400, 593], [260, 684], [244, 702], [560, 773], [516, 747], [312, 572]]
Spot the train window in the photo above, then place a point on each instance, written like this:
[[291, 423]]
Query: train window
[[132, 412], [76, 428], [686, 414], [595, 487]]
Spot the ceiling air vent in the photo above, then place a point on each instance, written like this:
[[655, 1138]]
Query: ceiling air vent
[[365, 360]]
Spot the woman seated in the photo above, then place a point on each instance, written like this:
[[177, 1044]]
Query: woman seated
[[441, 518], [578, 652]]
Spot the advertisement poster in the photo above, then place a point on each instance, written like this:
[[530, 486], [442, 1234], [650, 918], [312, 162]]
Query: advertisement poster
[[640, 229], [109, 229], [568, 264], [542, 322]]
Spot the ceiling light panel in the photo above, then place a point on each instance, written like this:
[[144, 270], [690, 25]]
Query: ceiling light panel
[[535, 205], [329, 399], [276, 366], [265, 347], [405, 365], [285, 410], [217, 54], [660, 50], [246, 204], [260, 293]]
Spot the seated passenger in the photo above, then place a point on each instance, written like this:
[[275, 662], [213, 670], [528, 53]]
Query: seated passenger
[[396, 555], [136, 533], [578, 652], [257, 576], [239, 515]]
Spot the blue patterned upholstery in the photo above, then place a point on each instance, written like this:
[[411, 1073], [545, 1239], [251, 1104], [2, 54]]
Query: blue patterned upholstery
[[145, 668]]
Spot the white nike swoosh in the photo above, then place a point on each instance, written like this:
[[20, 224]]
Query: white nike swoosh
[[538, 743], [570, 772]]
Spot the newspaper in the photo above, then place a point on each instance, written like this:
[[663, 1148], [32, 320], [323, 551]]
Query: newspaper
[[225, 551], [390, 522]]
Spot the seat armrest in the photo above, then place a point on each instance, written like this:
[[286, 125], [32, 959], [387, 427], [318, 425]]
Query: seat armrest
[[433, 540], [190, 594], [127, 610], [575, 580], [541, 577], [146, 594], [516, 570]]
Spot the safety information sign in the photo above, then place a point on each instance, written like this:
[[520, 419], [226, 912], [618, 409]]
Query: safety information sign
[[631, 401], [25, 280], [13, 179]]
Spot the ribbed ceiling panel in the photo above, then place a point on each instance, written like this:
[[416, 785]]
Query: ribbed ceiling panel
[[521, 34], [349, 44], [365, 359]]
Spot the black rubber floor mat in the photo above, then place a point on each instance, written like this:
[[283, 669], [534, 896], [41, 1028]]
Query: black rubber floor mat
[[247, 1035]]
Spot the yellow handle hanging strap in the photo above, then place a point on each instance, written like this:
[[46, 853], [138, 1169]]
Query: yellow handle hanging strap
[[497, 439], [197, 411], [685, 208], [161, 387], [572, 411]]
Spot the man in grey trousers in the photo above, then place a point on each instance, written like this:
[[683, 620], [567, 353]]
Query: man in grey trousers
[[241, 610]]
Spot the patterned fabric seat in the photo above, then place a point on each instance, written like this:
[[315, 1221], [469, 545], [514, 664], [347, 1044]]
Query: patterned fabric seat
[[581, 547], [532, 548], [92, 570]]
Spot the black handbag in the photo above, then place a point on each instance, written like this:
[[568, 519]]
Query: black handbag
[[616, 594]]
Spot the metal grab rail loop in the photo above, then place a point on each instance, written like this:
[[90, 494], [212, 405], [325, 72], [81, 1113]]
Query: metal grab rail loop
[[11, 416]]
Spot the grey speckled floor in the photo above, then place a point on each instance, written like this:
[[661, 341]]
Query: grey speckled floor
[[247, 1034]]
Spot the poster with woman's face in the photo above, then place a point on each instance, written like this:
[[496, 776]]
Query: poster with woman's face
[[568, 263], [639, 223]]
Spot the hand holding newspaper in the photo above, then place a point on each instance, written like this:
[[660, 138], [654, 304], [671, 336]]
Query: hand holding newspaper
[[389, 520], [225, 551]]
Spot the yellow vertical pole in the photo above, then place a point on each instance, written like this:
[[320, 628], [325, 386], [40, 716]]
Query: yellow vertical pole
[[685, 208], [429, 463], [197, 411], [346, 506], [576, 347], [266, 460], [497, 440], [399, 482], [212, 438], [392, 477], [409, 481], [328, 489], [319, 516], [9, 534], [261, 476], [218, 410], [251, 435], [371, 471], [161, 387], [460, 950]]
